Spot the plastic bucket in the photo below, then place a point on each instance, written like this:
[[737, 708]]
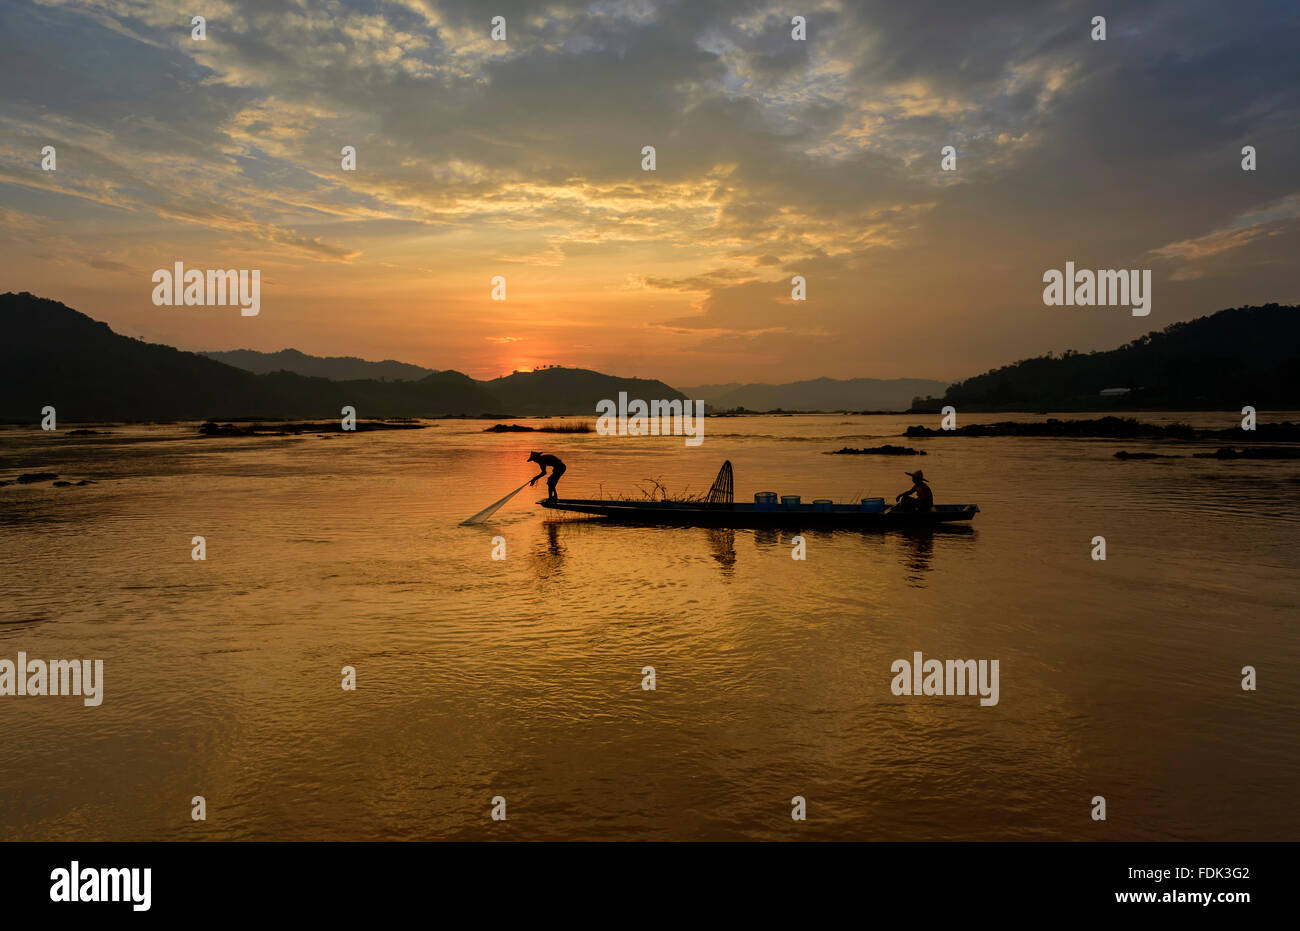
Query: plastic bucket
[[822, 505], [765, 501], [789, 501], [873, 505]]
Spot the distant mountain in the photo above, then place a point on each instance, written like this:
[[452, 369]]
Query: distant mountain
[[539, 393], [575, 390], [335, 368], [53, 355], [1243, 356], [819, 394]]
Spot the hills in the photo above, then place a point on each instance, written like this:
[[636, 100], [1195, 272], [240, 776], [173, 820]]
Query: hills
[[1236, 357], [517, 392], [562, 390], [819, 394], [335, 368], [54, 355]]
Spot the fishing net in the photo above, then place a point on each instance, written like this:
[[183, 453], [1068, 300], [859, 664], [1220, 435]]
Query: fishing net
[[491, 509]]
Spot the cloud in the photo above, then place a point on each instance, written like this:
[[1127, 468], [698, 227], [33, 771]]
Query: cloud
[[775, 158]]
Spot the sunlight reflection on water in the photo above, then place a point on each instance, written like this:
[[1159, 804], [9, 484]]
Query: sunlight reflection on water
[[522, 677]]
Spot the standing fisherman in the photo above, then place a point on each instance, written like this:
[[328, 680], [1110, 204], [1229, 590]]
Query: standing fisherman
[[557, 469]]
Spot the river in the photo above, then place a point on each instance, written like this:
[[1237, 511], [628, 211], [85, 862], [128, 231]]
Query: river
[[521, 677]]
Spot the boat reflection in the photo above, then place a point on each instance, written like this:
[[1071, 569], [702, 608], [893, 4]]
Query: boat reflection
[[919, 548], [914, 547], [722, 545]]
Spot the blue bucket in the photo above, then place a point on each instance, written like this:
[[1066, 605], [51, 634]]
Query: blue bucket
[[873, 505]]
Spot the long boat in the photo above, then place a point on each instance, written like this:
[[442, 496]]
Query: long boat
[[718, 509], [703, 514]]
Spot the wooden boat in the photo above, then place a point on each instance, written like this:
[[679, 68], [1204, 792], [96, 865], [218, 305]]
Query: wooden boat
[[690, 514], [718, 510]]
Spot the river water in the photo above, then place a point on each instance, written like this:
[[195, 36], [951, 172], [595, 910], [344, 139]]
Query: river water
[[522, 677]]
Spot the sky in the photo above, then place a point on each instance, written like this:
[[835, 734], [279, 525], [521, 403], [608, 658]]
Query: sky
[[775, 158]]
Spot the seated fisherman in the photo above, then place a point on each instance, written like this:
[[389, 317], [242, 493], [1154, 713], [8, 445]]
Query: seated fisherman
[[917, 498]]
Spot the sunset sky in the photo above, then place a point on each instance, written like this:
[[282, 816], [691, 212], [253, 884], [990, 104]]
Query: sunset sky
[[775, 158]]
